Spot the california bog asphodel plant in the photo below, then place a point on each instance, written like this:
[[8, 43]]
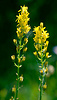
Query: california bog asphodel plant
[[41, 44], [22, 29]]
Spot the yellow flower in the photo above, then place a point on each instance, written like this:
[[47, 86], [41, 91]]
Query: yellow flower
[[13, 57], [41, 24], [25, 49], [23, 59], [22, 20], [39, 53], [19, 60], [46, 63], [47, 42], [35, 53], [36, 46], [25, 40], [21, 78], [41, 71], [45, 49], [46, 70], [47, 55], [14, 89], [44, 86], [15, 41], [41, 35]]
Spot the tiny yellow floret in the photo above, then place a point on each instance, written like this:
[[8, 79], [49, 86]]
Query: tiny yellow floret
[[21, 78], [41, 71], [47, 55], [46, 70], [35, 53], [14, 89], [46, 63], [13, 57], [26, 40], [25, 49], [19, 60], [44, 86], [23, 59], [41, 24], [15, 41]]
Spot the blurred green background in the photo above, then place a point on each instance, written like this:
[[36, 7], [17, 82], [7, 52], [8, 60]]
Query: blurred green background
[[40, 11]]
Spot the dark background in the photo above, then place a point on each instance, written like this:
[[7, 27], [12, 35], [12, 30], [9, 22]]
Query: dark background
[[40, 11]]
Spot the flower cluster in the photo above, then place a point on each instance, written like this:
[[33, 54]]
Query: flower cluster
[[22, 20], [41, 44], [22, 29]]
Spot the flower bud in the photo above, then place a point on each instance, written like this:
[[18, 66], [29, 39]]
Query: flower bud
[[25, 49], [35, 53], [15, 41], [44, 86], [14, 89], [46, 63], [23, 59], [21, 78], [41, 24], [41, 71], [13, 57], [19, 60]]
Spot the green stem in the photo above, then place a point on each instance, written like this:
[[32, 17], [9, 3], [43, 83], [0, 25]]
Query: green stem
[[41, 82], [17, 90]]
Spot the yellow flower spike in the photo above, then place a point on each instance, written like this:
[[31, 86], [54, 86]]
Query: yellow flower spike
[[25, 49], [40, 38], [14, 89], [35, 53], [23, 59], [13, 57], [22, 29], [22, 20], [21, 78], [15, 41], [44, 86]]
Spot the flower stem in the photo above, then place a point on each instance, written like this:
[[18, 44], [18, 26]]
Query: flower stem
[[41, 82], [17, 90]]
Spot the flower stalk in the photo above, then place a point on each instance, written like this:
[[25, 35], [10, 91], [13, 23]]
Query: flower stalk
[[22, 29], [41, 44]]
